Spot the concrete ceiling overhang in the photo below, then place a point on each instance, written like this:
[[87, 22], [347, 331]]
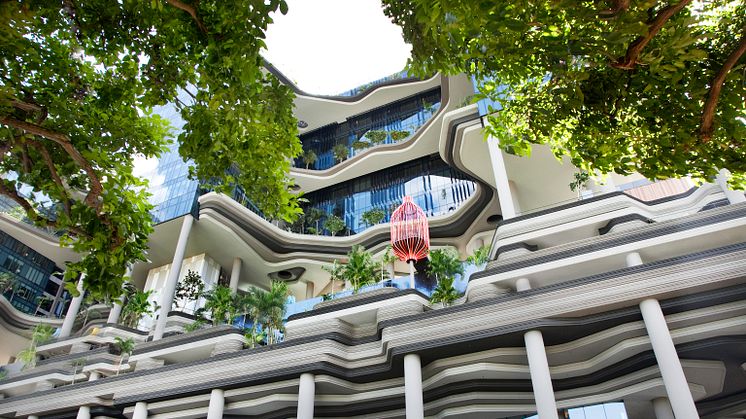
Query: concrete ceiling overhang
[[424, 142], [45, 244], [320, 111]]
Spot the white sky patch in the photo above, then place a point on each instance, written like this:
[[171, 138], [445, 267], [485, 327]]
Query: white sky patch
[[330, 46]]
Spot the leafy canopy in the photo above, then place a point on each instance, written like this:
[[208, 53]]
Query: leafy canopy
[[655, 87], [78, 81]]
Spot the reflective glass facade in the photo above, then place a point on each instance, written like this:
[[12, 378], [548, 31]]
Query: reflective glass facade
[[173, 193], [404, 117], [436, 187], [33, 289]]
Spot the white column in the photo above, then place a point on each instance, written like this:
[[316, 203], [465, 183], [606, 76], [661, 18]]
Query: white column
[[633, 259], [217, 402], [115, 312], [538, 366], [94, 375], [235, 274], [662, 408], [541, 380], [72, 310], [167, 293], [411, 274], [116, 308], [522, 284], [413, 387], [501, 179], [84, 412], [310, 288], [32, 417], [669, 365], [734, 197], [306, 395], [141, 411]]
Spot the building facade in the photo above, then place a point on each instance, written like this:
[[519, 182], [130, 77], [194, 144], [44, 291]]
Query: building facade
[[624, 300]]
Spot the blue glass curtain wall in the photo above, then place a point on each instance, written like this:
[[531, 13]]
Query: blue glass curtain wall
[[30, 274], [403, 118], [436, 187]]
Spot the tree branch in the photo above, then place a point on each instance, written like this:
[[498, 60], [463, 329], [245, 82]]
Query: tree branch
[[708, 111], [629, 60], [55, 175], [618, 6], [64, 141], [192, 12]]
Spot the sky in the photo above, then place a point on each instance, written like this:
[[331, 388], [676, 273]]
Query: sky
[[329, 46]]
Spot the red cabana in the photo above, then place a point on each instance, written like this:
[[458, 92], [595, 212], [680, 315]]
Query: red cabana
[[410, 235]]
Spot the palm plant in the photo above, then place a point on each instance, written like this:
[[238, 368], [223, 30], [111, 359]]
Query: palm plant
[[480, 256], [309, 158], [340, 152], [388, 259], [278, 294], [221, 304], [444, 292], [360, 269], [138, 305], [253, 306], [444, 265], [40, 334], [335, 274], [125, 348], [268, 309]]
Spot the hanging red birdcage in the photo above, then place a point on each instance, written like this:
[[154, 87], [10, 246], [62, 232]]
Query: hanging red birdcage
[[410, 235]]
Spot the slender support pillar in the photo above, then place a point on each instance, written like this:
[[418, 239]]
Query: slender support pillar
[[141, 411], [84, 412], [662, 409], [235, 274], [116, 308], [94, 375], [217, 403], [734, 197], [306, 395], [411, 274], [32, 417], [504, 194], [413, 387], [522, 284], [72, 310], [669, 365], [633, 259], [391, 270], [115, 312], [538, 366], [541, 380], [167, 293], [310, 288]]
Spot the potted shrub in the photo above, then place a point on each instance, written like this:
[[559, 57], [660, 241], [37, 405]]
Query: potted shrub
[[340, 152], [334, 224], [373, 216]]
